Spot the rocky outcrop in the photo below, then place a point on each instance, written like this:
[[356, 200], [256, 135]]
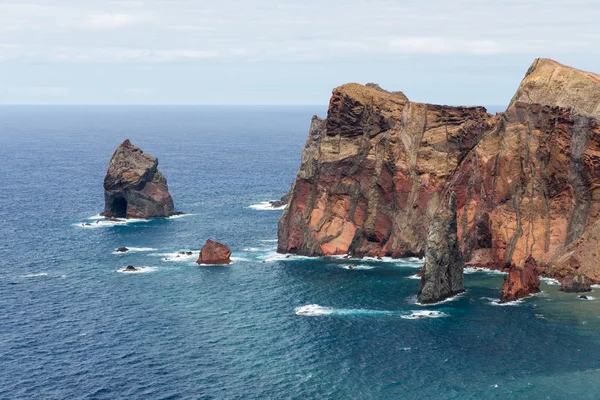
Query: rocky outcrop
[[576, 284], [527, 181], [372, 173], [133, 186], [520, 282], [443, 271], [122, 250], [214, 253]]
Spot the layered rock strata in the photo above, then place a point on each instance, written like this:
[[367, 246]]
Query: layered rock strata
[[442, 275], [133, 186], [527, 181]]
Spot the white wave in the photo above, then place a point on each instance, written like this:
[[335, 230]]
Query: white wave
[[138, 270], [134, 250], [238, 259], [313, 310], [317, 310], [264, 206], [253, 249], [363, 267], [586, 297], [269, 240], [107, 223], [550, 281], [496, 302], [273, 256], [177, 216], [449, 299], [415, 276], [595, 286], [177, 256], [415, 259], [424, 314], [97, 216], [471, 270], [35, 275]]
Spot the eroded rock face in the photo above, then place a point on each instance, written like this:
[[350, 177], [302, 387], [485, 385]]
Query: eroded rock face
[[576, 284], [527, 181], [520, 282], [133, 186], [442, 275], [214, 253], [372, 173]]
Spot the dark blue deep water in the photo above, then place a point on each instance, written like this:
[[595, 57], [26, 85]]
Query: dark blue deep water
[[73, 327]]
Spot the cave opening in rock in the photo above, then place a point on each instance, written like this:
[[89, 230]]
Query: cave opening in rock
[[119, 207]]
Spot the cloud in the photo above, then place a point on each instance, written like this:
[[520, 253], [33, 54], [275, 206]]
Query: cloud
[[443, 45], [113, 21]]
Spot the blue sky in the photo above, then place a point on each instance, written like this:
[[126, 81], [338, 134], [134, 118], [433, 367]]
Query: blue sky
[[282, 52]]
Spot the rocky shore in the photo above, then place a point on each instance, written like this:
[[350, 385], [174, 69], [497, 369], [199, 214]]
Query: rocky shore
[[379, 167]]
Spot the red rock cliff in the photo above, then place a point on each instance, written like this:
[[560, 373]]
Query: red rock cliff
[[527, 181]]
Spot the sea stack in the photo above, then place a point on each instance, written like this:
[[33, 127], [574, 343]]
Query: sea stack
[[214, 253], [527, 181], [443, 272], [133, 186], [520, 282]]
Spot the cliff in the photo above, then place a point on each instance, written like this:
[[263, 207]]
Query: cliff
[[133, 186], [375, 171]]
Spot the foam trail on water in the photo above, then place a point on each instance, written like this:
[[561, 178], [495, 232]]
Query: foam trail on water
[[471, 270], [424, 314], [265, 206], [139, 270], [315, 310], [177, 256], [550, 281], [134, 250], [363, 267], [449, 299], [415, 276], [35, 275]]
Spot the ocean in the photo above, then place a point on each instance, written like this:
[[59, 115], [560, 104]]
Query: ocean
[[74, 326]]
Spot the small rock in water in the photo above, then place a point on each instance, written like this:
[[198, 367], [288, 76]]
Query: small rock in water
[[188, 253], [351, 266], [130, 268], [122, 250], [181, 252], [214, 253], [583, 296]]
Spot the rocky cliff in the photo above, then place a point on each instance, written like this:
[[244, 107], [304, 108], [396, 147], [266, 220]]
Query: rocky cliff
[[133, 186], [375, 171]]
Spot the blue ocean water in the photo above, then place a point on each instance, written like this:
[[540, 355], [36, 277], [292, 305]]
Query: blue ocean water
[[73, 326]]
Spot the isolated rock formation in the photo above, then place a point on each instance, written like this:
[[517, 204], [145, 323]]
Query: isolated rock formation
[[443, 271], [527, 181], [214, 253], [133, 186], [576, 284], [520, 282]]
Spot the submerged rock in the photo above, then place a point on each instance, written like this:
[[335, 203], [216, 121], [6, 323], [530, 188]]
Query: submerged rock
[[133, 186], [214, 253], [443, 271], [520, 282], [577, 283], [130, 268], [122, 250]]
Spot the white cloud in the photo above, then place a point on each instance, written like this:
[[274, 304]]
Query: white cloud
[[444, 45], [113, 21]]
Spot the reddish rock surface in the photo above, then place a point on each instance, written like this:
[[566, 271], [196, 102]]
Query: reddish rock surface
[[520, 282], [214, 253], [576, 284], [133, 186], [527, 181]]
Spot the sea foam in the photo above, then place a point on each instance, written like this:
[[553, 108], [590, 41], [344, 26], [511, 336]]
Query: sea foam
[[139, 270], [265, 206], [424, 314], [134, 250]]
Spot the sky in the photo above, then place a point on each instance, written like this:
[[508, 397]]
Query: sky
[[283, 52]]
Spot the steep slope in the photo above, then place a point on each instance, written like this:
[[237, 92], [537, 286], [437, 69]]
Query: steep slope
[[527, 181]]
